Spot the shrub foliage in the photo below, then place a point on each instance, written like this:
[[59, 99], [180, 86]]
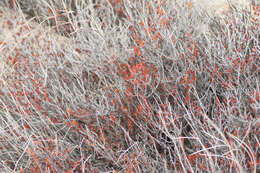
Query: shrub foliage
[[139, 88]]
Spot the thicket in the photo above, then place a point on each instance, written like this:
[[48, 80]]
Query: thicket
[[141, 89]]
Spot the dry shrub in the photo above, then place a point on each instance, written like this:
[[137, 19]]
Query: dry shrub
[[137, 90]]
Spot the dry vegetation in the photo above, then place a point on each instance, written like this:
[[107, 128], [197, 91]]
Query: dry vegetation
[[128, 86]]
